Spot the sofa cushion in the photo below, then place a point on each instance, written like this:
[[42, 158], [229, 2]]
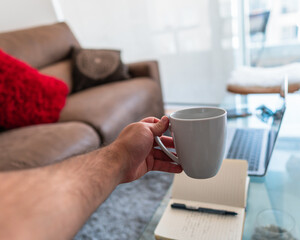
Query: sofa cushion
[[61, 70], [110, 107], [92, 67], [44, 144], [26, 96]]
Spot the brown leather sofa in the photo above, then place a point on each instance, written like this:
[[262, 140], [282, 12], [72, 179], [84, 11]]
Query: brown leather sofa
[[91, 118]]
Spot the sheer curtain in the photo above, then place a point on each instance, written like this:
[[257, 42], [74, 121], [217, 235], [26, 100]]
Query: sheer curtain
[[194, 41]]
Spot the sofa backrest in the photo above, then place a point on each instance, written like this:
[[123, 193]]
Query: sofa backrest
[[39, 46], [46, 48]]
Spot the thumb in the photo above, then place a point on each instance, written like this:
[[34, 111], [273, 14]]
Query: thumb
[[160, 127]]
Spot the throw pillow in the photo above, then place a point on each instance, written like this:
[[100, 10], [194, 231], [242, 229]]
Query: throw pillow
[[92, 67], [26, 96]]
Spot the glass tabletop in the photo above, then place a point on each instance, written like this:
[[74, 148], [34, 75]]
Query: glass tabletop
[[280, 188]]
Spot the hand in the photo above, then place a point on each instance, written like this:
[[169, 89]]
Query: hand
[[137, 143]]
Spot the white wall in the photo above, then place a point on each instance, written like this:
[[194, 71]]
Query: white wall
[[185, 36], [17, 14]]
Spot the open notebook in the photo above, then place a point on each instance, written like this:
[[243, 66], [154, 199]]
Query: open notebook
[[226, 191]]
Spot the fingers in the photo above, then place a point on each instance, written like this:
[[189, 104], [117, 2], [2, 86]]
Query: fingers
[[167, 141], [150, 120], [160, 155], [164, 166], [160, 127], [163, 163]]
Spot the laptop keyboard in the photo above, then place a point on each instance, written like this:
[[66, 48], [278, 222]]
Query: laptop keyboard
[[247, 144]]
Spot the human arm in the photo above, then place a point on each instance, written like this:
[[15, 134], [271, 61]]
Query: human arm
[[53, 202]]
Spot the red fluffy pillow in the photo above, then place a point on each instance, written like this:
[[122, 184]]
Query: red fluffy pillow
[[26, 96]]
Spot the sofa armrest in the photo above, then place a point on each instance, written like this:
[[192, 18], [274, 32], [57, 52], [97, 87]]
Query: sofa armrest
[[148, 69], [145, 69]]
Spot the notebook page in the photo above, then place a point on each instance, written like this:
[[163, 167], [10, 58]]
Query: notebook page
[[187, 225], [226, 188]]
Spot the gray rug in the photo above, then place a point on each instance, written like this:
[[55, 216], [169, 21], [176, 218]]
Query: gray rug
[[127, 211]]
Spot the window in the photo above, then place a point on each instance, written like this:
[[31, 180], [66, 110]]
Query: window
[[273, 32]]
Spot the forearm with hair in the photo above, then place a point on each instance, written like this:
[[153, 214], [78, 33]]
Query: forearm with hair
[[53, 202]]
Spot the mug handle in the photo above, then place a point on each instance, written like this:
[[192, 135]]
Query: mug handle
[[166, 151]]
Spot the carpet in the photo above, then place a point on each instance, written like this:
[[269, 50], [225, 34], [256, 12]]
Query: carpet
[[128, 209]]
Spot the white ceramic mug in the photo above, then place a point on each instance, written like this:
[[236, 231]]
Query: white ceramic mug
[[199, 136]]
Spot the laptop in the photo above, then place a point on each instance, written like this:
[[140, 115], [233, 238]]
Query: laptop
[[256, 144]]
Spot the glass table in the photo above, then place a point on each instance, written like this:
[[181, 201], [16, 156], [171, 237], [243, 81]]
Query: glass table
[[280, 187]]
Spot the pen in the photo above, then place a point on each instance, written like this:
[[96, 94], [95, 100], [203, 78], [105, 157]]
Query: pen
[[200, 209]]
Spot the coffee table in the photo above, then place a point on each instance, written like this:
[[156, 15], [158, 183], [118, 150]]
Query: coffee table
[[280, 188]]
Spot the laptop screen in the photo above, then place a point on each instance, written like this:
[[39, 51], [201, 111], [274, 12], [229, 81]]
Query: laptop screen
[[277, 119]]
